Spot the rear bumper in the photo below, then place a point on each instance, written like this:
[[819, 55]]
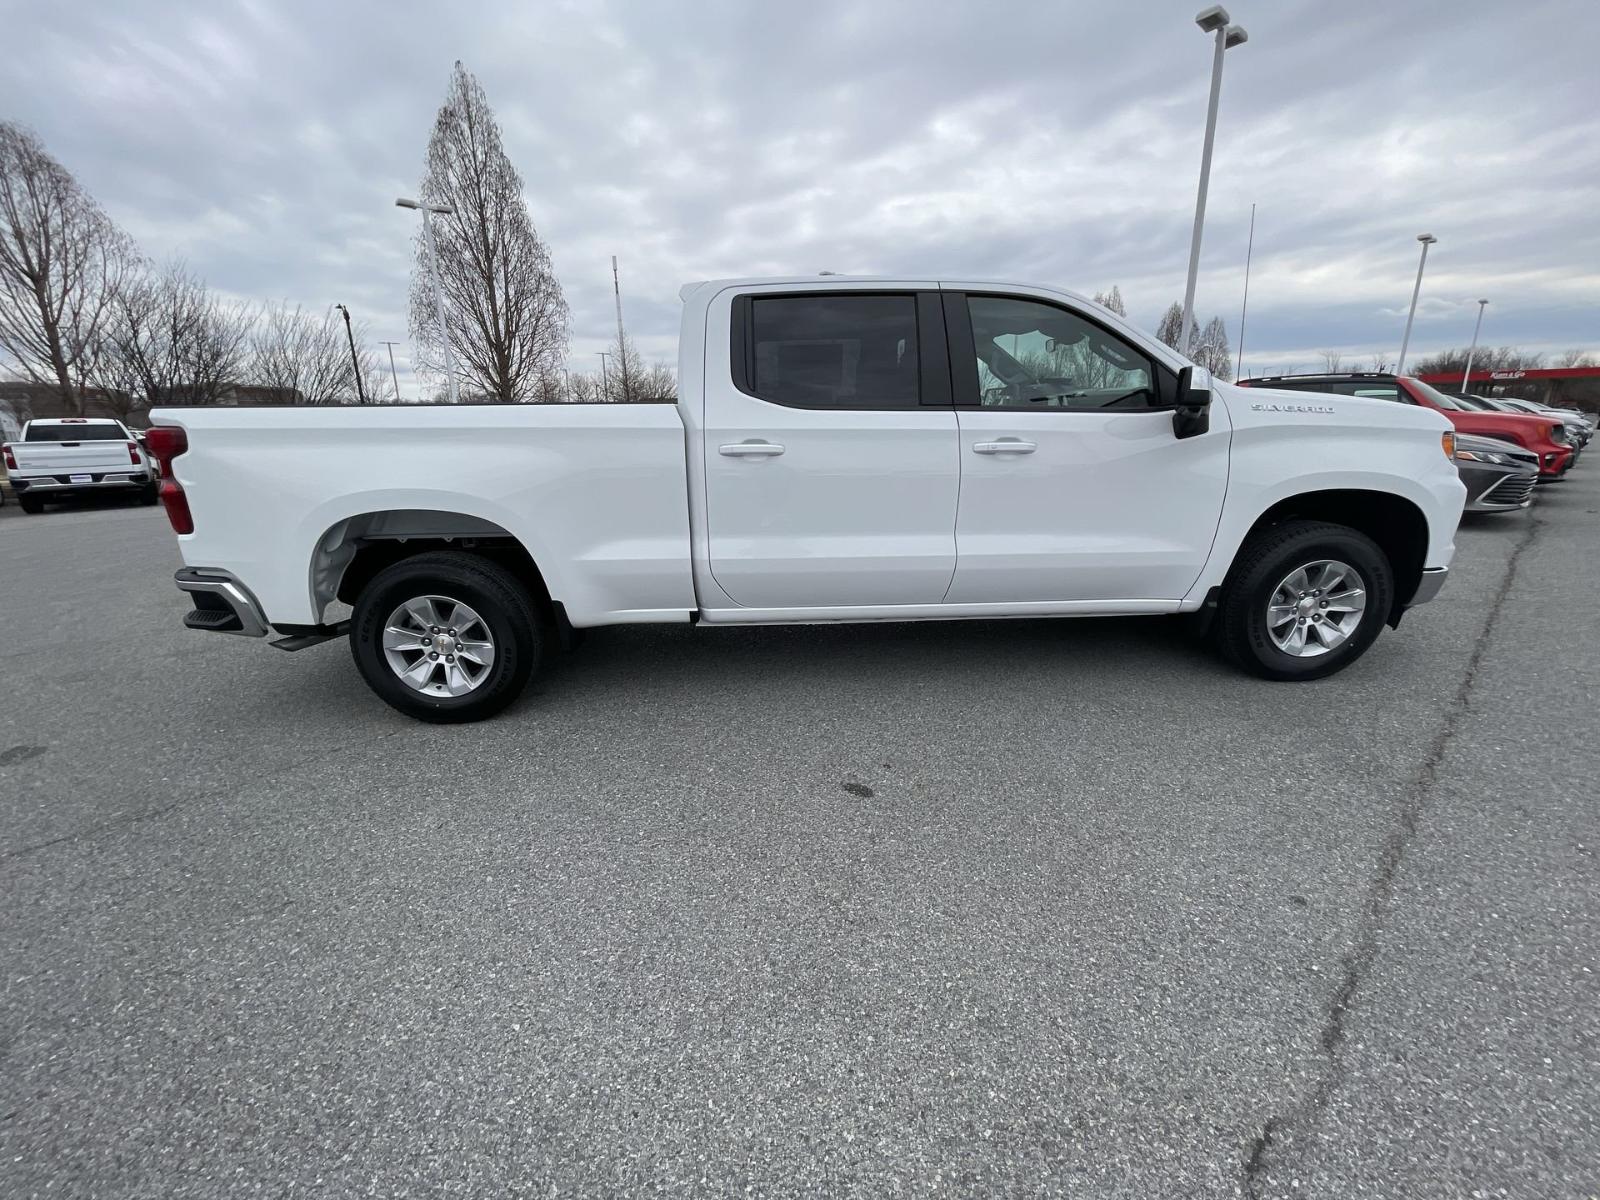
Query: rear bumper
[[61, 485], [222, 603]]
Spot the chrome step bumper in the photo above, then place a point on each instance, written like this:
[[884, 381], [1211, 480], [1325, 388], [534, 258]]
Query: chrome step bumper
[[222, 603]]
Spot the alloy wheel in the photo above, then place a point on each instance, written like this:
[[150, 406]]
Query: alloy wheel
[[1316, 608], [438, 646]]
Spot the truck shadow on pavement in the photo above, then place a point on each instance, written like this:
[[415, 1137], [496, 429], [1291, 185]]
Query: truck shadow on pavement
[[911, 656]]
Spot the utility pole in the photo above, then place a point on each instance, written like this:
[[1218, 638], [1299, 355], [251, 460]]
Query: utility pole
[[392, 372], [361, 392], [605, 387], [622, 346]]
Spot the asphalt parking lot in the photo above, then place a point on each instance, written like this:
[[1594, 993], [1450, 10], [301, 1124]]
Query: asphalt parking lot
[[1017, 907]]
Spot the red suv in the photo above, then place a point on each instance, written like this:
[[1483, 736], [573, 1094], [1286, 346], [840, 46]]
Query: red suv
[[1545, 437]]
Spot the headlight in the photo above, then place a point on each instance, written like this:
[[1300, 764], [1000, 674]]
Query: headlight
[[1483, 456]]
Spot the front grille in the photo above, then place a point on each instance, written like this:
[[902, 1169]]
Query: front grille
[[1513, 489]]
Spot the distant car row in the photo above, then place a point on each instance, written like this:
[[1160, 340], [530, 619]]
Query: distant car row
[[74, 456], [1503, 447]]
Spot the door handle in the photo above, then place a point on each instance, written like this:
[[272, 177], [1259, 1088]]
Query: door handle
[[1005, 446], [751, 450]]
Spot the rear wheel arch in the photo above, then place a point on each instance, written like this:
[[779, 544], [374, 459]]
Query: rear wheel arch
[[352, 552], [1395, 523]]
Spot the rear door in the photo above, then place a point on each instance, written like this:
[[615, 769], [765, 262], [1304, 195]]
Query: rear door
[[830, 449], [1073, 484]]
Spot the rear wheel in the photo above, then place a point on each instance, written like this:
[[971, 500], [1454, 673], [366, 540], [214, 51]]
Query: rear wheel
[[149, 494], [30, 504], [446, 637], [1304, 599]]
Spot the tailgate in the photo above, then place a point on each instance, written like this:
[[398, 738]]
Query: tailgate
[[71, 457]]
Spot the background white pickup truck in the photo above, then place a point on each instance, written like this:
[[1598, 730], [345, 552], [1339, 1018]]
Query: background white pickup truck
[[69, 456], [842, 450]]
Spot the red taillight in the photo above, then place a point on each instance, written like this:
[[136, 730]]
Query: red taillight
[[133, 453], [11, 459], [166, 442], [177, 506]]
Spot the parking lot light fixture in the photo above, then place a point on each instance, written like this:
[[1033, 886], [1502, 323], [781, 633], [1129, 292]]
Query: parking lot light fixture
[[427, 211], [1427, 239], [1473, 349], [1213, 20]]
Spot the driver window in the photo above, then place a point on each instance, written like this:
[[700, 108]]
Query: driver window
[[1034, 355]]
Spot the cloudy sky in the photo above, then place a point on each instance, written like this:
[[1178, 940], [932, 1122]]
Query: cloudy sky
[[1058, 142]]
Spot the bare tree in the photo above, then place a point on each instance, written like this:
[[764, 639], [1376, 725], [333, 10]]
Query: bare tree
[[585, 388], [1577, 358], [1380, 364], [659, 382], [171, 339], [508, 319], [1332, 361], [1113, 301], [1211, 351], [1207, 348], [61, 261], [305, 359], [1486, 358], [1170, 330]]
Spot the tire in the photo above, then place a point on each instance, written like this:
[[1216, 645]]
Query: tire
[[424, 584], [30, 504], [149, 494], [1250, 635]]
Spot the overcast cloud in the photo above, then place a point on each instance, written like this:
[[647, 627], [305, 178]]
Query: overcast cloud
[[1055, 142]]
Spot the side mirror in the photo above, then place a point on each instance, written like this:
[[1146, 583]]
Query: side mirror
[[1192, 412]]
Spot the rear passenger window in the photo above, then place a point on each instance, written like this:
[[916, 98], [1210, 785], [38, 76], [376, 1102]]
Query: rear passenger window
[[849, 351]]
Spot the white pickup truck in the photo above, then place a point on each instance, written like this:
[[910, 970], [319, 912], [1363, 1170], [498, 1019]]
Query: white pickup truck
[[73, 456], [842, 449]]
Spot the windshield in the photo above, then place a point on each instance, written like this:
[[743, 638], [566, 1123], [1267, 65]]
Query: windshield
[[73, 433], [1477, 403], [1438, 397]]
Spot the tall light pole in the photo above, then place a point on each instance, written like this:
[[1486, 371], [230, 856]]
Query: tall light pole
[[1427, 239], [361, 392], [393, 374], [604, 386], [443, 210], [1473, 349], [1211, 20]]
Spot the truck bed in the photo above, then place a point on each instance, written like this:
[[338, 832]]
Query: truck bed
[[596, 492]]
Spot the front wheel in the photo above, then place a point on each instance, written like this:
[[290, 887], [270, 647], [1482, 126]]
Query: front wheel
[[446, 637], [1304, 599]]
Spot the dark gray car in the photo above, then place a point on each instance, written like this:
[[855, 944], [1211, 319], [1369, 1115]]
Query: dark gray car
[[1499, 475]]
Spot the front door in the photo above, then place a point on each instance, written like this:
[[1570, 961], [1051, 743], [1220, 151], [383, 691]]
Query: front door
[[1073, 486], [830, 451]]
